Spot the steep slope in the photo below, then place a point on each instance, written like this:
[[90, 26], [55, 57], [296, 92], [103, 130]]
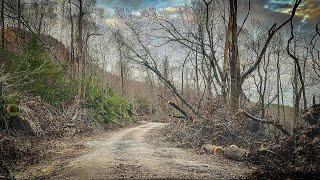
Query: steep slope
[[16, 41]]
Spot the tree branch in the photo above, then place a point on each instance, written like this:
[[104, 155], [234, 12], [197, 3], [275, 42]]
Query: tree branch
[[263, 121], [272, 31]]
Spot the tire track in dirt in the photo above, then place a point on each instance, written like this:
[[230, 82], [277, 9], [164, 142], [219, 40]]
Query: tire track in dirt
[[129, 154]]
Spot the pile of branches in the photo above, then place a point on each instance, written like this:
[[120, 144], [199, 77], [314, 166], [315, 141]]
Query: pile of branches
[[189, 134], [16, 150], [23, 128], [46, 120], [31, 115], [221, 129], [296, 156]]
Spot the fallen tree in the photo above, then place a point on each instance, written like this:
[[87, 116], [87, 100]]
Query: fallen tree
[[184, 116]]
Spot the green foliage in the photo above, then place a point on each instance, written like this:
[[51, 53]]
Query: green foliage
[[35, 73], [109, 106]]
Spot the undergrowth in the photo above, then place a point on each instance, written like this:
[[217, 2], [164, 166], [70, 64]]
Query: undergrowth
[[108, 105], [33, 72]]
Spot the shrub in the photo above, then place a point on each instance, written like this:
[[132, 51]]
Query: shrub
[[37, 74], [109, 106]]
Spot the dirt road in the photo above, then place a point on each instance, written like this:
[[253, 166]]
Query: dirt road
[[131, 153]]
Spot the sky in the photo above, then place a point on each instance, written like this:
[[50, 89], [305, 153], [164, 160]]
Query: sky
[[309, 10], [269, 10], [142, 4]]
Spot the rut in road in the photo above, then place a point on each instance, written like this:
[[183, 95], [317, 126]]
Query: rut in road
[[130, 153]]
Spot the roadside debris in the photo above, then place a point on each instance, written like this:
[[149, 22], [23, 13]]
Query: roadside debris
[[293, 156], [235, 153], [213, 149], [231, 152]]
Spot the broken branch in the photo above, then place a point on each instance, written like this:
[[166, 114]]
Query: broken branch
[[264, 121]]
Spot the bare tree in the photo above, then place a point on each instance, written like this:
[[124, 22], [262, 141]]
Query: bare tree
[[2, 25], [122, 64], [200, 39]]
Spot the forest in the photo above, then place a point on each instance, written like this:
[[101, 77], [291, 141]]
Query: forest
[[149, 89]]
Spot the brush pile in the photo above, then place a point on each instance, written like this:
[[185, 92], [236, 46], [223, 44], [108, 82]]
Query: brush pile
[[297, 156], [28, 122], [45, 120], [16, 150], [219, 130], [292, 156]]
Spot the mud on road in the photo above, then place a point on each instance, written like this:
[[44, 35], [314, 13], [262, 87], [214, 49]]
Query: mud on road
[[131, 153]]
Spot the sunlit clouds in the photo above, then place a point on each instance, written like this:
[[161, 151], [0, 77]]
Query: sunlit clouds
[[308, 10], [168, 7], [112, 22], [170, 10]]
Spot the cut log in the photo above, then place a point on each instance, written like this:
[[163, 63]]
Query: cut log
[[235, 153], [218, 150], [234, 146], [213, 148]]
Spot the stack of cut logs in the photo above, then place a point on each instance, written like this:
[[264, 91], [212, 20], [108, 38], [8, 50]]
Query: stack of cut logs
[[231, 152]]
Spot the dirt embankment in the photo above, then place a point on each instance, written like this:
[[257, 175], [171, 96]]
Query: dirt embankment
[[16, 40]]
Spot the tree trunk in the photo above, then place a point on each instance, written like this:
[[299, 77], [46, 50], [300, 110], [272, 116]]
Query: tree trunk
[[278, 84], [233, 56], [40, 25], [226, 67], [73, 63], [2, 25], [122, 71], [197, 73], [209, 82], [305, 102], [296, 98], [80, 53], [19, 14]]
